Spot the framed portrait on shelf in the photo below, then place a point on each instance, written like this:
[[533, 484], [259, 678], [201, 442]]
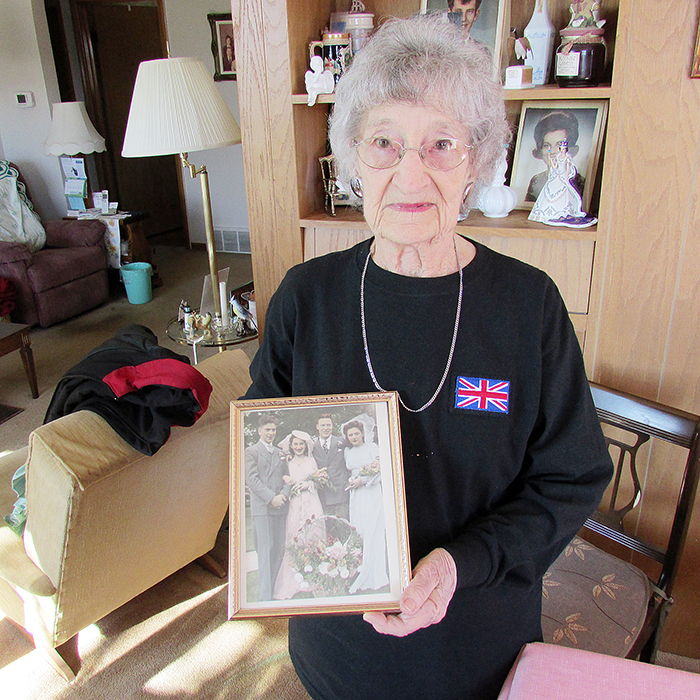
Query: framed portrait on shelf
[[317, 513], [222, 46], [484, 22], [543, 126]]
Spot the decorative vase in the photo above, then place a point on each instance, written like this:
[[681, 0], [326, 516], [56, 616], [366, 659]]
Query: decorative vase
[[540, 34], [498, 200]]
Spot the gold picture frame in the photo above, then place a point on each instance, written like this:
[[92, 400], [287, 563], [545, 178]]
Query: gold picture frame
[[695, 65], [292, 553], [529, 171]]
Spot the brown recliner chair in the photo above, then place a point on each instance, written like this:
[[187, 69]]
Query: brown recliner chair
[[66, 277]]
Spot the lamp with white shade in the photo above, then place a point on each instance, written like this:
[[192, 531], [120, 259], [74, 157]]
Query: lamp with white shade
[[176, 108], [72, 133]]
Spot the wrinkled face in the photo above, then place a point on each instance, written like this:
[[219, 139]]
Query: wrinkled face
[[267, 432], [410, 203], [355, 437], [324, 427], [298, 446], [469, 13]]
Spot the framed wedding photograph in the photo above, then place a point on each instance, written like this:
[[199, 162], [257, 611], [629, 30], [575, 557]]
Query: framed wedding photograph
[[318, 512], [222, 46], [543, 126], [484, 21]]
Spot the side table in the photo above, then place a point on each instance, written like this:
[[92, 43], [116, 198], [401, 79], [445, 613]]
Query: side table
[[127, 227], [15, 336], [221, 340]]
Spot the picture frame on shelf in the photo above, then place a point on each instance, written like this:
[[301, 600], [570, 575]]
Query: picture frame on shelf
[[543, 124], [486, 23], [222, 47], [310, 540]]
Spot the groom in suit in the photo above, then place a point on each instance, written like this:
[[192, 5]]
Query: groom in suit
[[265, 467], [329, 455]]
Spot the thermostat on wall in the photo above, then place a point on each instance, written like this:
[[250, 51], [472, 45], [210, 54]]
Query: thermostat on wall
[[25, 99]]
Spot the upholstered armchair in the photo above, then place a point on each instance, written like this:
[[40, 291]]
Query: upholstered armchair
[[106, 522], [63, 278]]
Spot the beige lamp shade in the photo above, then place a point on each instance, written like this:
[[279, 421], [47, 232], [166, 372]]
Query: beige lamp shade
[[72, 131], [177, 108]]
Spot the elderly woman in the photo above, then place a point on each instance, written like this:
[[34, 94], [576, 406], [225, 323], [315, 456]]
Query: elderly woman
[[503, 454]]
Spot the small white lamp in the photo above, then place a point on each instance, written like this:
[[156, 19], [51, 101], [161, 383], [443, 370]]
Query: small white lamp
[[177, 108], [72, 131]]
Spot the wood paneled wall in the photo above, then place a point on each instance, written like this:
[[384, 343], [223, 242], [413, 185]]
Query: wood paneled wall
[[646, 295]]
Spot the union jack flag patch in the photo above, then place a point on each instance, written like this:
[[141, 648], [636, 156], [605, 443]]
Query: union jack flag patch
[[482, 394]]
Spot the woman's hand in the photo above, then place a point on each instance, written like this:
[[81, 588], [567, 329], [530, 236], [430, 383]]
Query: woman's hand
[[425, 600], [287, 479]]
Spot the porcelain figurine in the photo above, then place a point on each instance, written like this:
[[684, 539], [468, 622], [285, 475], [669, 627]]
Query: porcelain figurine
[[559, 203], [317, 80]]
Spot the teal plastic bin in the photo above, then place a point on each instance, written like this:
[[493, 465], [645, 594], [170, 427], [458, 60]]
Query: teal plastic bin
[[137, 280]]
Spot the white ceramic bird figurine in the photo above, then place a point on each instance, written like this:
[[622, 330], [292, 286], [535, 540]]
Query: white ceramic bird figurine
[[242, 312]]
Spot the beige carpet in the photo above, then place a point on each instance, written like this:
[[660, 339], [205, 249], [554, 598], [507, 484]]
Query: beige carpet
[[58, 348], [171, 642]]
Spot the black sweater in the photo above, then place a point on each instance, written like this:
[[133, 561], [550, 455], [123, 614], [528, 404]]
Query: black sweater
[[502, 491]]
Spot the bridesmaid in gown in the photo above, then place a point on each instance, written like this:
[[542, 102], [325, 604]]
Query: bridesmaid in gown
[[304, 504], [366, 507]]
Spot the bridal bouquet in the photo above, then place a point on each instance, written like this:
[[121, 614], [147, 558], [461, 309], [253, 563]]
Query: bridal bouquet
[[318, 478], [327, 554], [370, 469]]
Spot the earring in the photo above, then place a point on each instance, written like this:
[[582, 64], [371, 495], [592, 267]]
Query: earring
[[466, 193], [356, 186]]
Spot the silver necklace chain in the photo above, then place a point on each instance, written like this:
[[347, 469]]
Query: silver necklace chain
[[452, 348]]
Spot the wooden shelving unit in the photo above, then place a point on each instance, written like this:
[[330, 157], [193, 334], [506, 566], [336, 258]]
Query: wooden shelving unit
[[635, 274], [515, 224], [538, 92], [568, 255]]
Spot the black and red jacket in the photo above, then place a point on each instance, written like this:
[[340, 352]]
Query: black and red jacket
[[138, 387]]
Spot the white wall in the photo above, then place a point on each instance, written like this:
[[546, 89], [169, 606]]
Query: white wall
[[189, 35], [26, 65]]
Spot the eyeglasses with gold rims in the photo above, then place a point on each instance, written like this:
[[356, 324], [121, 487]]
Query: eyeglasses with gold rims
[[380, 152]]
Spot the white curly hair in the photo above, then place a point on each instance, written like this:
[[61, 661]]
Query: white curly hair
[[422, 60]]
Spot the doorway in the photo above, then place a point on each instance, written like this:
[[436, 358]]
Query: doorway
[[112, 37]]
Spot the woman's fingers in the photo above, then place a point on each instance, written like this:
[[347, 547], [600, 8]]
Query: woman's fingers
[[426, 598]]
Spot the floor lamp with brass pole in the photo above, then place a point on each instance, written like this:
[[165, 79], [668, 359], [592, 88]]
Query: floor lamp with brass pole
[[176, 108]]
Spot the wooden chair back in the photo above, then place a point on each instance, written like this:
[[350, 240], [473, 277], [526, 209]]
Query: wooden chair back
[[610, 590]]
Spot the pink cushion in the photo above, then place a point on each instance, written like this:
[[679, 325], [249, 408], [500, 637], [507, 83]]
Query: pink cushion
[[559, 673]]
